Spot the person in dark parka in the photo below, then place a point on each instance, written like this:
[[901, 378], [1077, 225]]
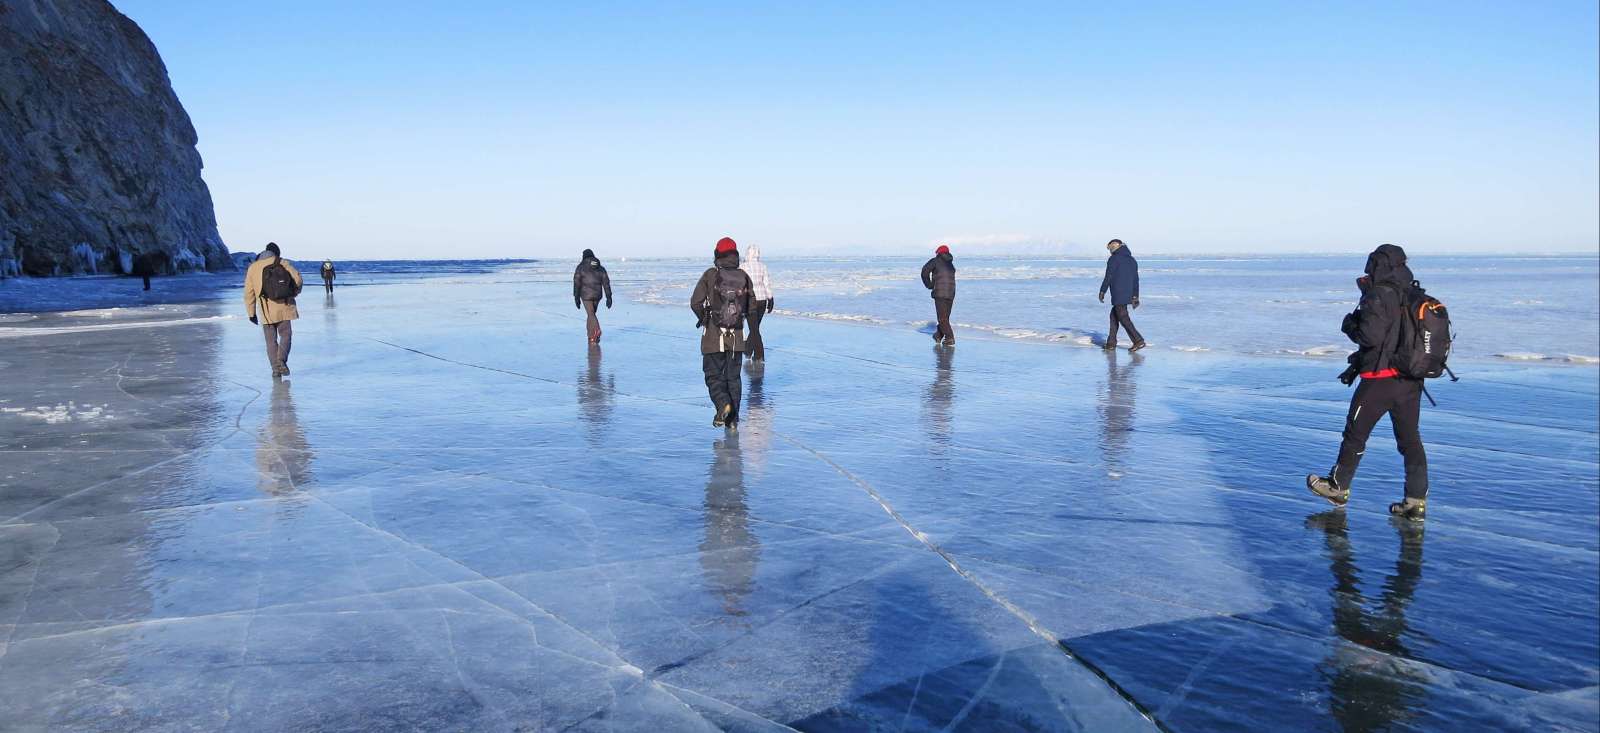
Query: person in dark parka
[[721, 301], [589, 282], [939, 277], [328, 274], [1122, 279], [1374, 327]]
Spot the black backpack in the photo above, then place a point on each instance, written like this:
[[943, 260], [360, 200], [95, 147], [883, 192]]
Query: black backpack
[[276, 282], [1425, 336], [727, 298]]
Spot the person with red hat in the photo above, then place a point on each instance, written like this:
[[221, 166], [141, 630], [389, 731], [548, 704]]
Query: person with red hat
[[939, 276], [721, 302]]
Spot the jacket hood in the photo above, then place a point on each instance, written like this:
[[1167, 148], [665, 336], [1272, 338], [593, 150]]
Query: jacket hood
[[947, 257], [1122, 251], [728, 260], [1387, 264], [752, 253]]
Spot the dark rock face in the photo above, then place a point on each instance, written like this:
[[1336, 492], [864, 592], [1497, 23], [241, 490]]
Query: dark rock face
[[98, 167]]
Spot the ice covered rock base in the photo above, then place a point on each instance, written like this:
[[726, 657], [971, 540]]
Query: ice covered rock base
[[98, 166], [458, 516]]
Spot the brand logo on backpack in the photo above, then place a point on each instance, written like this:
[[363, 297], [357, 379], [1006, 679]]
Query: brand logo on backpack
[[1424, 343]]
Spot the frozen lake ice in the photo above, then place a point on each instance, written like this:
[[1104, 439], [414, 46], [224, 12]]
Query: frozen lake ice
[[458, 516]]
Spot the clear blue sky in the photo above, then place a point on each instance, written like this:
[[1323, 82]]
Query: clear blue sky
[[361, 129]]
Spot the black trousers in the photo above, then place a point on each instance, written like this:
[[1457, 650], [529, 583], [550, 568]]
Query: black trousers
[[1401, 400], [327, 284], [1119, 316], [722, 378], [941, 311], [758, 351]]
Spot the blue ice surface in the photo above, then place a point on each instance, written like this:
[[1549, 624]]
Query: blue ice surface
[[455, 514]]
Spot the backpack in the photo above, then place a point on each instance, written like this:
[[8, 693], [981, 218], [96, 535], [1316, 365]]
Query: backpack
[[1425, 336], [727, 298], [277, 284]]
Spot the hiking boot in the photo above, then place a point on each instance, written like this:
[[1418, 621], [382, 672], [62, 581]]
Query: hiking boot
[[1136, 347], [722, 416], [733, 424], [1414, 510], [1109, 346], [1327, 488], [284, 370]]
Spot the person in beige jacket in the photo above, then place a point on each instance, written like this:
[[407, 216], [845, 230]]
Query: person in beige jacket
[[275, 317]]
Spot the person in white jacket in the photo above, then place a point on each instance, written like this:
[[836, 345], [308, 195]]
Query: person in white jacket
[[762, 297]]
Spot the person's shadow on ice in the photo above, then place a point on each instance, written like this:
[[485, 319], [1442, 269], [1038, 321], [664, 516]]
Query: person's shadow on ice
[[1118, 396], [730, 551], [1368, 690], [937, 407], [283, 457], [596, 388]]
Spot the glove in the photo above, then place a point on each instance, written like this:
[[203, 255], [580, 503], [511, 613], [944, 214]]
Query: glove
[[1102, 296], [699, 322], [1135, 304], [608, 304], [254, 321], [771, 304], [577, 304], [1349, 375]]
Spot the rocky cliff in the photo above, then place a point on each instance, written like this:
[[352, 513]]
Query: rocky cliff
[[98, 167]]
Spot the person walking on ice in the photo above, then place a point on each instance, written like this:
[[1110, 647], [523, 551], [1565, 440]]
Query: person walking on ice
[[721, 302], [327, 276], [1389, 384], [939, 277], [589, 282], [272, 284], [761, 297], [1122, 279]]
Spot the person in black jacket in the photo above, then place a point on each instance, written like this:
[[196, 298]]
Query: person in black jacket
[[939, 277], [721, 303], [1122, 279], [589, 282], [1375, 328]]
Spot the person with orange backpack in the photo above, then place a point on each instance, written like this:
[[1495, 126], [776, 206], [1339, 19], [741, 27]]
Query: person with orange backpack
[[1403, 337], [721, 302]]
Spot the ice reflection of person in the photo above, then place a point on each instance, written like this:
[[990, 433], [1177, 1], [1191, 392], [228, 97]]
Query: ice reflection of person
[[941, 396], [595, 390], [758, 418], [1366, 695], [283, 457], [730, 551], [1117, 398]]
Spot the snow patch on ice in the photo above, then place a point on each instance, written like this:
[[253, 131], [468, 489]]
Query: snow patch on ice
[[24, 331], [1328, 350], [62, 412], [1560, 358], [1191, 349]]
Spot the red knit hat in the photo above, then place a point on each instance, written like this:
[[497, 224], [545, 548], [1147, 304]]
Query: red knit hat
[[942, 250], [726, 244]]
